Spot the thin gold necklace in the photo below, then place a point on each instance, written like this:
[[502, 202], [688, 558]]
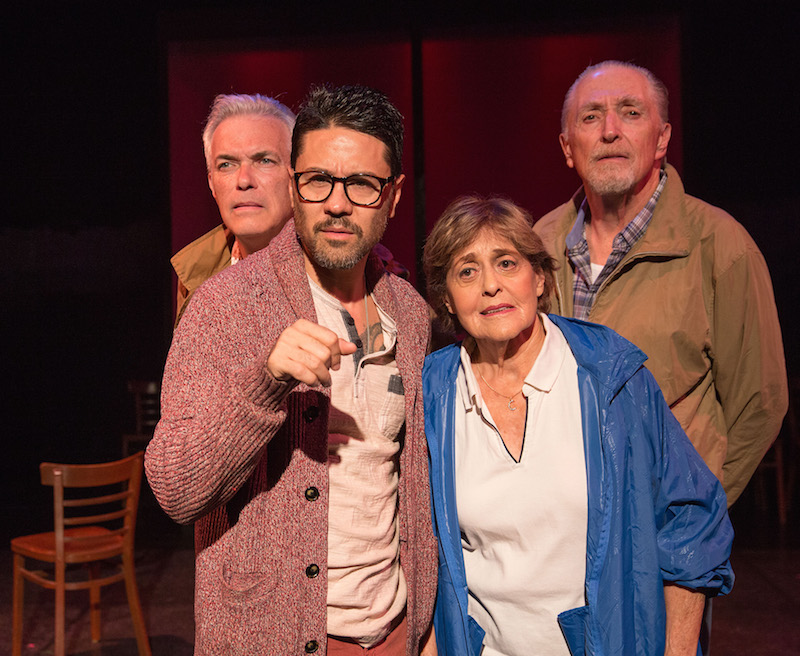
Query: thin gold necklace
[[511, 405]]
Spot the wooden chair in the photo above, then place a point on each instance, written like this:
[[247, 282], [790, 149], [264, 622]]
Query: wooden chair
[[773, 460], [95, 520], [792, 425], [147, 411], [782, 458]]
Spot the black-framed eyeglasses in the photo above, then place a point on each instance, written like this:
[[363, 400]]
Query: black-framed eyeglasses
[[361, 189]]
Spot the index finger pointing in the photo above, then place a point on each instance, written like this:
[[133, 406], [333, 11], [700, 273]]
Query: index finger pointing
[[343, 347]]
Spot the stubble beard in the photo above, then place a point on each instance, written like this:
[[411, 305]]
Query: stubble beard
[[335, 255]]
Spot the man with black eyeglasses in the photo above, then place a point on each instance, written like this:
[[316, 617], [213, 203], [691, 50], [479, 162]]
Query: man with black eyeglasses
[[292, 429]]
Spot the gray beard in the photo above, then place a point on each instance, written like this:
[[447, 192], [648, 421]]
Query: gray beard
[[607, 186]]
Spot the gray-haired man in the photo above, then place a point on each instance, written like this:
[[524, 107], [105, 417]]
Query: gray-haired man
[[247, 142]]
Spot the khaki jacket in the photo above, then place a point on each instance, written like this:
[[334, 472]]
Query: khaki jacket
[[695, 295], [195, 263]]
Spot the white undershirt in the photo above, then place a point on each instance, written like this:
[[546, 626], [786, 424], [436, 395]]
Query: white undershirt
[[523, 524], [367, 589], [597, 269]]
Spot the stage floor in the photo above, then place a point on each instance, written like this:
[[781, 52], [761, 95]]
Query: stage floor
[[761, 617]]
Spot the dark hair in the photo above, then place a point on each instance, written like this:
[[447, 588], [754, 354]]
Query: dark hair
[[460, 225], [354, 107]]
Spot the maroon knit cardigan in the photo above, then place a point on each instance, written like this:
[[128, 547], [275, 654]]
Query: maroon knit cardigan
[[244, 456]]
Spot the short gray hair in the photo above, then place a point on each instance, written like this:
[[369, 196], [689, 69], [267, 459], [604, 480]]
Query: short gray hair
[[239, 104], [659, 89]]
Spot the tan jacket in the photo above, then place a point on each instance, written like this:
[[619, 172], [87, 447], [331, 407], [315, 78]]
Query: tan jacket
[[205, 257], [695, 295]]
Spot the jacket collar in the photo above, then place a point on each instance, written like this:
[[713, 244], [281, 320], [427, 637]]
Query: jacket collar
[[286, 259], [204, 257], [606, 356], [666, 234]]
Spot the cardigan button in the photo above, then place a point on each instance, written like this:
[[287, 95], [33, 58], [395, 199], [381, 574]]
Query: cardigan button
[[311, 646], [312, 494], [312, 571], [311, 413]]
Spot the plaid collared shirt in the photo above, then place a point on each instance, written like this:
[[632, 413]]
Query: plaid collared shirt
[[584, 290]]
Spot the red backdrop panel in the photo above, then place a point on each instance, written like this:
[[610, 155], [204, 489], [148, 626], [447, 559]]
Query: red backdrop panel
[[491, 111], [196, 75]]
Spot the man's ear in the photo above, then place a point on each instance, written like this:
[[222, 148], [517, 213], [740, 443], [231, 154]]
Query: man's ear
[[566, 149], [663, 141], [398, 190], [291, 188]]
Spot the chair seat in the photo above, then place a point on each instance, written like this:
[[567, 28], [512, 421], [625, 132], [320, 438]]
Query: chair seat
[[102, 543], [94, 525]]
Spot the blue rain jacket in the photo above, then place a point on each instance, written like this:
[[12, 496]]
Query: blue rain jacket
[[656, 513]]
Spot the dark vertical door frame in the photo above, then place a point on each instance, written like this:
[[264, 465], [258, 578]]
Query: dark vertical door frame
[[418, 137]]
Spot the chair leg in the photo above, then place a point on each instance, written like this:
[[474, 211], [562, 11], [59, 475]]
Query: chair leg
[[18, 606], [760, 488], [94, 602], [135, 605], [780, 483], [59, 647]]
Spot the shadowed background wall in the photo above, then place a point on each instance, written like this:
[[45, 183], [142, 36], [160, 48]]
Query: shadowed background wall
[[482, 115], [104, 177]]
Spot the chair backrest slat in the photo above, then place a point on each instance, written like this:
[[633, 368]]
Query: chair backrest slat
[[84, 520], [95, 501], [98, 506], [147, 404], [94, 475]]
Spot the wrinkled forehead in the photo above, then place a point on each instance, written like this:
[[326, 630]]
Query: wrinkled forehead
[[612, 85], [485, 240], [252, 132]]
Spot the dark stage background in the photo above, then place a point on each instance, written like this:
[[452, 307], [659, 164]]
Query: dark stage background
[[482, 109], [104, 175]]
